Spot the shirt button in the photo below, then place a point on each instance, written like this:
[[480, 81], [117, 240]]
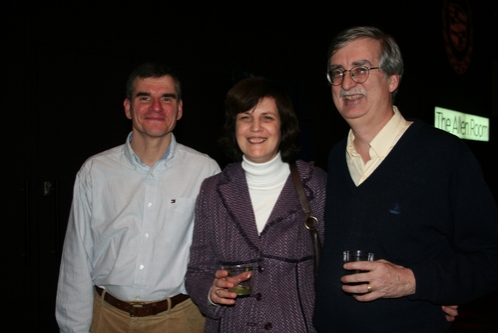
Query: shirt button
[[268, 326], [147, 235], [149, 205], [141, 266], [259, 296], [152, 175], [260, 269]]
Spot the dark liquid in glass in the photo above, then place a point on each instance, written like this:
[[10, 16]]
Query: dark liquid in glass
[[355, 271]]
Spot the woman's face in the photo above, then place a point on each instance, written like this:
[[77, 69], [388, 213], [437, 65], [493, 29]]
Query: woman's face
[[258, 131]]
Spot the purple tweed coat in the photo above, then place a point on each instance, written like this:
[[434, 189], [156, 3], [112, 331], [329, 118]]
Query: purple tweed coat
[[225, 232]]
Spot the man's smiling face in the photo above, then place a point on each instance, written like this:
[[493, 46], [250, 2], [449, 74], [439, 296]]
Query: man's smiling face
[[362, 100]]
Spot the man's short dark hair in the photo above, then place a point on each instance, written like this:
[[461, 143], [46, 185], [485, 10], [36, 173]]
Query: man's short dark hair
[[151, 69], [244, 96]]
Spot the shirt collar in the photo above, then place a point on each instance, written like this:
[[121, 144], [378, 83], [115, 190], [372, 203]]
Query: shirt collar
[[135, 160], [383, 141]]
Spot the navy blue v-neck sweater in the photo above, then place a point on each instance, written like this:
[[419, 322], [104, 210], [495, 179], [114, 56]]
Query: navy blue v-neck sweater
[[426, 207]]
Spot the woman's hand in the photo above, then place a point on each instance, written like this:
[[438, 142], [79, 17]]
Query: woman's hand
[[219, 292]]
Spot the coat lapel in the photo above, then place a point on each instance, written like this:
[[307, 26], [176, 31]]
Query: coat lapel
[[235, 196], [233, 190], [287, 204]]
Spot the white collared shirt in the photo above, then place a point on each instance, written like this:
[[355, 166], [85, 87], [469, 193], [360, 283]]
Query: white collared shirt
[[380, 147], [130, 229]]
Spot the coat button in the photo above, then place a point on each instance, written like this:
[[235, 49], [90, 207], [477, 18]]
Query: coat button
[[259, 296], [260, 269], [268, 326]]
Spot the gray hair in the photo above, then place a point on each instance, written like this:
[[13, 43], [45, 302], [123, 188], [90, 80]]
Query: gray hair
[[390, 62]]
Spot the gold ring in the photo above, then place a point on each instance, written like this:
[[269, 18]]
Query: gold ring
[[369, 288]]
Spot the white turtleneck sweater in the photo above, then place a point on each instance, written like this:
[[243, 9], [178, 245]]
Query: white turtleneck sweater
[[265, 183]]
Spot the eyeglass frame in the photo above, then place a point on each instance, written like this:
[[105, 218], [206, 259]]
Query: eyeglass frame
[[328, 76]]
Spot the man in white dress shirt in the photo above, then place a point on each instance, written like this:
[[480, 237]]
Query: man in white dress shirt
[[130, 227]]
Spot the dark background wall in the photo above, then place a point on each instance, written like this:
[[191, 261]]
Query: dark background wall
[[64, 67]]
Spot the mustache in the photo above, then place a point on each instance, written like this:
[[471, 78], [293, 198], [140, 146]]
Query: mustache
[[355, 91]]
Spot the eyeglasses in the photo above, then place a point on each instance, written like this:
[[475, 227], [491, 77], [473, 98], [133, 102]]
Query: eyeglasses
[[359, 74]]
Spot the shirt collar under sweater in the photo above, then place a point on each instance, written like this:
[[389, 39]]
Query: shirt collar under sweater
[[380, 147], [266, 175]]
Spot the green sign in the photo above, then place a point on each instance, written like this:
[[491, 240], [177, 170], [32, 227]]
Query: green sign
[[466, 126]]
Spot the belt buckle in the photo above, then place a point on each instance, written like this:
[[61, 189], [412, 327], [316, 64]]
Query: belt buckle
[[135, 305]]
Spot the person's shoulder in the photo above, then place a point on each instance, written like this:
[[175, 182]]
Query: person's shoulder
[[307, 165], [193, 153], [106, 155], [109, 153], [104, 162], [339, 148], [428, 134], [309, 170], [229, 173], [195, 159], [314, 179], [435, 145]]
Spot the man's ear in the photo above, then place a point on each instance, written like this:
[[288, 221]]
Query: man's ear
[[126, 105], [393, 82], [180, 110]]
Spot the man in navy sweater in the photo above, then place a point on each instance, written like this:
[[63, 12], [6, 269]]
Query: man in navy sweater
[[406, 191]]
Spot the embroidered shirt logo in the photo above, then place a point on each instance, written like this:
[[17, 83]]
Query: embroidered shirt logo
[[395, 209], [173, 201]]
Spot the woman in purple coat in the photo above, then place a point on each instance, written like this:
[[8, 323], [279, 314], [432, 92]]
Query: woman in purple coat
[[251, 213]]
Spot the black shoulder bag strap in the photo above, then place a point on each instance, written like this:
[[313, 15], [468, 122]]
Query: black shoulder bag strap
[[311, 222]]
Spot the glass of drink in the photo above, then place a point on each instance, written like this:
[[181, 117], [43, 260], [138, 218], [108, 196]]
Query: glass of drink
[[357, 255], [243, 288]]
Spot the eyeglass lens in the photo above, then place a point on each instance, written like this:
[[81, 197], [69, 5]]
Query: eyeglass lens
[[358, 75]]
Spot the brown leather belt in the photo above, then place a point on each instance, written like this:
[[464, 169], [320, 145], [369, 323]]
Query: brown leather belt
[[142, 309]]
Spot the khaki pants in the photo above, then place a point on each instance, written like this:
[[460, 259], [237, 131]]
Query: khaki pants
[[183, 318]]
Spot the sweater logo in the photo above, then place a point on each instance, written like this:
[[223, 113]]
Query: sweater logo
[[395, 209]]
